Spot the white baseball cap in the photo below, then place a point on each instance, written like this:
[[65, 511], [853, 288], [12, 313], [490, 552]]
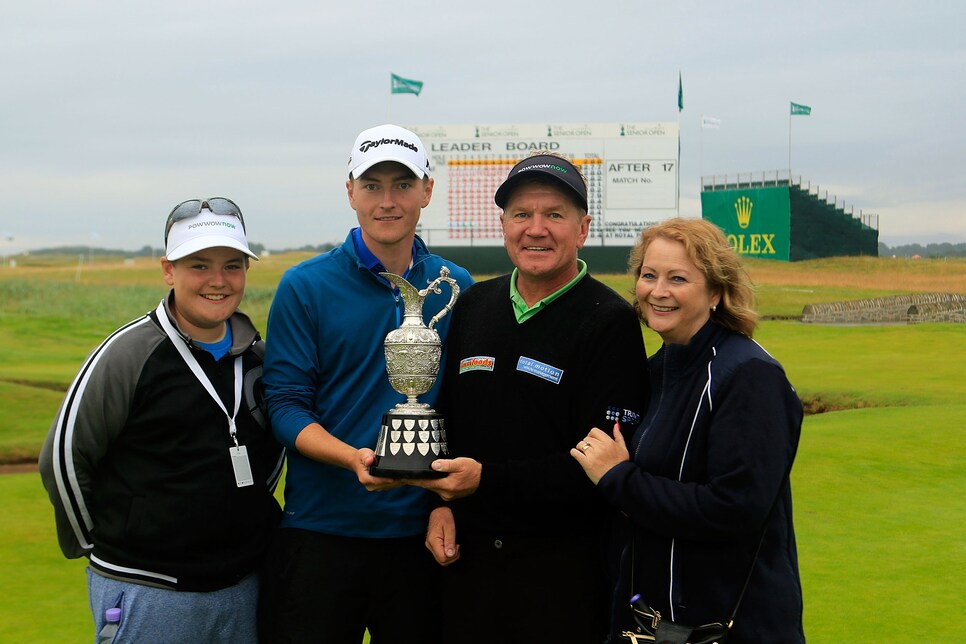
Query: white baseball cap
[[206, 229], [388, 143]]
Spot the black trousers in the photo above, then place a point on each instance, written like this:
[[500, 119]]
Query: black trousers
[[328, 589], [513, 589]]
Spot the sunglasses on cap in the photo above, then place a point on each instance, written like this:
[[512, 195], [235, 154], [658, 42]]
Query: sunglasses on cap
[[193, 207]]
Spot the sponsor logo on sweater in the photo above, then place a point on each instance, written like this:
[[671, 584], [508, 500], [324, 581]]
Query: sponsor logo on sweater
[[620, 415], [477, 363], [539, 369]]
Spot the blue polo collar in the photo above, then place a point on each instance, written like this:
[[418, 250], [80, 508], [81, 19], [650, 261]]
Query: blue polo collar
[[370, 261]]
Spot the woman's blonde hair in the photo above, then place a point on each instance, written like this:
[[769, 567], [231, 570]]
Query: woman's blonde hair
[[721, 266]]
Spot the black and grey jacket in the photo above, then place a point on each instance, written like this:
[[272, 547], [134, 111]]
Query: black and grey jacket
[[709, 476], [137, 461]]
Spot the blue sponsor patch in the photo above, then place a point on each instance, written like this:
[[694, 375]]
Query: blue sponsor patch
[[619, 415], [539, 369]]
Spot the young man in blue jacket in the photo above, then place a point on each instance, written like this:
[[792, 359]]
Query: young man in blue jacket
[[349, 554]]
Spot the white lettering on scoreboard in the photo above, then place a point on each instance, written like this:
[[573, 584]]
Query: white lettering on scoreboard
[[631, 171]]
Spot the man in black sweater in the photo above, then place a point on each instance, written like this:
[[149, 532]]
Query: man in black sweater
[[533, 360]]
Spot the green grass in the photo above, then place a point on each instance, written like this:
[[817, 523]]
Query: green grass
[[879, 512], [45, 596], [788, 301], [879, 484], [31, 410], [876, 365]]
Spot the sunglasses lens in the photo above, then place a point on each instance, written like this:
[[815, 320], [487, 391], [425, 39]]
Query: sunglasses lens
[[223, 206], [193, 207], [183, 210]]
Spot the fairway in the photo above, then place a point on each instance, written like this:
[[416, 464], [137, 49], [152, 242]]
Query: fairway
[[879, 513], [879, 483]]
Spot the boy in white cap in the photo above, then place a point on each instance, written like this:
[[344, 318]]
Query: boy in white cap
[[160, 463], [349, 555]]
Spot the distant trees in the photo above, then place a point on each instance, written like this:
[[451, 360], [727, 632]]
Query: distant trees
[[929, 250], [148, 251]]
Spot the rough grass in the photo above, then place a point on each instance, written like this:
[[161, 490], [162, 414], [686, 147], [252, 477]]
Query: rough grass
[[890, 276]]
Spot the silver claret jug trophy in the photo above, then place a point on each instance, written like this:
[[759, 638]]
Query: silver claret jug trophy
[[413, 434]]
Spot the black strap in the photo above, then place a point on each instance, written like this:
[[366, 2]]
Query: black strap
[[761, 540], [787, 482], [751, 569]]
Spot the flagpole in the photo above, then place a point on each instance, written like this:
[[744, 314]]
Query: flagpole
[[389, 101], [677, 179], [701, 155], [789, 143]]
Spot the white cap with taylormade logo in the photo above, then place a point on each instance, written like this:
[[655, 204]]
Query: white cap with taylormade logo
[[388, 143], [206, 230]]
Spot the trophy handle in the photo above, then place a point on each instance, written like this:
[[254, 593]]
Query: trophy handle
[[434, 287], [411, 297]]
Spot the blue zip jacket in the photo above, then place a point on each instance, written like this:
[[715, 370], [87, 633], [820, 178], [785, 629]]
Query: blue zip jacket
[[709, 474], [324, 363]]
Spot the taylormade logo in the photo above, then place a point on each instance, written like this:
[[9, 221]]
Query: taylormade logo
[[368, 145]]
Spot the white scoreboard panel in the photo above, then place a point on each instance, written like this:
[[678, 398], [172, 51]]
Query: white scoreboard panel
[[631, 171]]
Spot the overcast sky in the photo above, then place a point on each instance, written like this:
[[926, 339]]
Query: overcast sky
[[114, 111]]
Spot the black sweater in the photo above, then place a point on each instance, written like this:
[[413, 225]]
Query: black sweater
[[518, 397]]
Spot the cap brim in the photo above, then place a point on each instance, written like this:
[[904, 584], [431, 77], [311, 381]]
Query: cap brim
[[208, 241], [503, 193], [360, 169]]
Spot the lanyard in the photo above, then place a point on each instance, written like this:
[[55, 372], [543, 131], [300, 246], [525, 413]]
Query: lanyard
[[192, 363]]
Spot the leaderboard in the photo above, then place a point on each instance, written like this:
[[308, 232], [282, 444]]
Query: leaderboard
[[631, 170]]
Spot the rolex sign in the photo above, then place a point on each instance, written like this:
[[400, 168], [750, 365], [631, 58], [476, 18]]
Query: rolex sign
[[756, 221]]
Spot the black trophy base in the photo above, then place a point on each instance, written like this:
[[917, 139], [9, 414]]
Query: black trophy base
[[408, 444]]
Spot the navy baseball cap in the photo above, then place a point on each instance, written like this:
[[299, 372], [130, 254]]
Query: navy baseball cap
[[559, 169]]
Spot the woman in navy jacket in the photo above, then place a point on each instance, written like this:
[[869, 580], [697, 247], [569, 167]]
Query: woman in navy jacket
[[702, 488]]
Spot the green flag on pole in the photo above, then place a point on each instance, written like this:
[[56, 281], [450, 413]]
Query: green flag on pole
[[680, 93], [402, 85], [803, 110]]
